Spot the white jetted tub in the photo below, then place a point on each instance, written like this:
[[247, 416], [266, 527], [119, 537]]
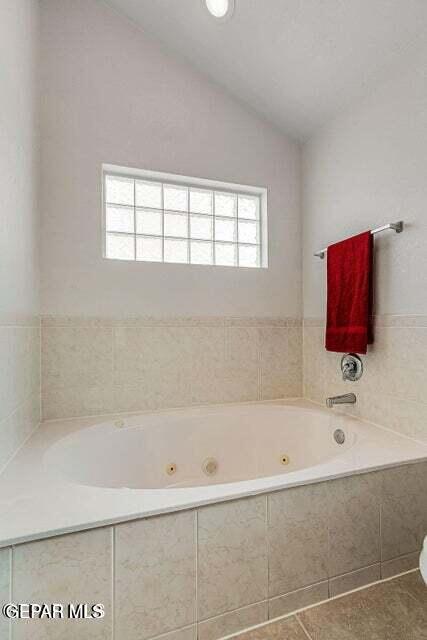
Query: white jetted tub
[[208, 446], [84, 473]]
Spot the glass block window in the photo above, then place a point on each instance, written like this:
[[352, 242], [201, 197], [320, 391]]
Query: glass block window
[[161, 220]]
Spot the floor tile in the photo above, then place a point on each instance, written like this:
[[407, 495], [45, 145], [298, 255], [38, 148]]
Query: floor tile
[[288, 629], [393, 610]]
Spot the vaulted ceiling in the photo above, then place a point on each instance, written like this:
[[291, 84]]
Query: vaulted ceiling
[[296, 62]]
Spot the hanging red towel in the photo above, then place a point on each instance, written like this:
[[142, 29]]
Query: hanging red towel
[[349, 308]]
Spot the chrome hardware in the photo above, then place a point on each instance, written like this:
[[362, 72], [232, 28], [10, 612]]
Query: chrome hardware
[[395, 226], [351, 367], [347, 398], [339, 436]]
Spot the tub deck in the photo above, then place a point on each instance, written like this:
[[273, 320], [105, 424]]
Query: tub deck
[[36, 502]]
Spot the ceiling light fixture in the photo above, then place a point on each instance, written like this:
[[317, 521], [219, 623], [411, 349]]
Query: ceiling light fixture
[[220, 9]]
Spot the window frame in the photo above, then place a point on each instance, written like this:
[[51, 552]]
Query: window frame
[[195, 183]]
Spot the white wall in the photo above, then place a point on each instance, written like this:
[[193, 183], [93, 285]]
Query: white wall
[[19, 277], [366, 168], [111, 95], [19, 225]]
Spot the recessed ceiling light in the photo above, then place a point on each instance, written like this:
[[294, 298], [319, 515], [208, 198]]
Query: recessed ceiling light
[[220, 9]]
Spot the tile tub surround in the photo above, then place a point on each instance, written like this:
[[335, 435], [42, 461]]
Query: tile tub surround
[[71, 569], [19, 384], [221, 568], [96, 366], [392, 390]]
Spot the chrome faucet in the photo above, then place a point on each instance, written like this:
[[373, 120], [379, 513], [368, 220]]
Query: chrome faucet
[[347, 398]]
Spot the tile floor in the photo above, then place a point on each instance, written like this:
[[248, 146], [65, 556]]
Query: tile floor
[[393, 610]]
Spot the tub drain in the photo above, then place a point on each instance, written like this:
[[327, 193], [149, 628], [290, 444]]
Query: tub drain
[[210, 466]]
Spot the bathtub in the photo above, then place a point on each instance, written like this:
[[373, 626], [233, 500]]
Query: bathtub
[[85, 473], [183, 449]]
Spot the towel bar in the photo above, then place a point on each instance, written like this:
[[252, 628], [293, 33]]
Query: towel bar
[[396, 226]]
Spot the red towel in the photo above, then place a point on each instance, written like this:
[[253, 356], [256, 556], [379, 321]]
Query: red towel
[[349, 308]]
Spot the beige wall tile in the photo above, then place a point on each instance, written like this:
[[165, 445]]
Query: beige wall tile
[[280, 362], [19, 387], [354, 522], [299, 599], [73, 568], [169, 390], [140, 353], [403, 510], [393, 567], [262, 322], [208, 365], [166, 362], [232, 556], [405, 417], [4, 590], [16, 428], [73, 357], [233, 622], [298, 538], [241, 364], [224, 364], [313, 363], [391, 391], [354, 580], [155, 575], [407, 362], [20, 370], [72, 402]]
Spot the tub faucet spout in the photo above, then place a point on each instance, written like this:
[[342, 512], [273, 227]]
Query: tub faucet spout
[[347, 398]]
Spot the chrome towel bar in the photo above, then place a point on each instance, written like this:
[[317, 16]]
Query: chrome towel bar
[[396, 226]]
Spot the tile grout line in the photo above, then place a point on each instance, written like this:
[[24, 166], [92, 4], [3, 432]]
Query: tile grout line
[[246, 606], [297, 618], [167, 634], [268, 507], [328, 551], [296, 612]]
